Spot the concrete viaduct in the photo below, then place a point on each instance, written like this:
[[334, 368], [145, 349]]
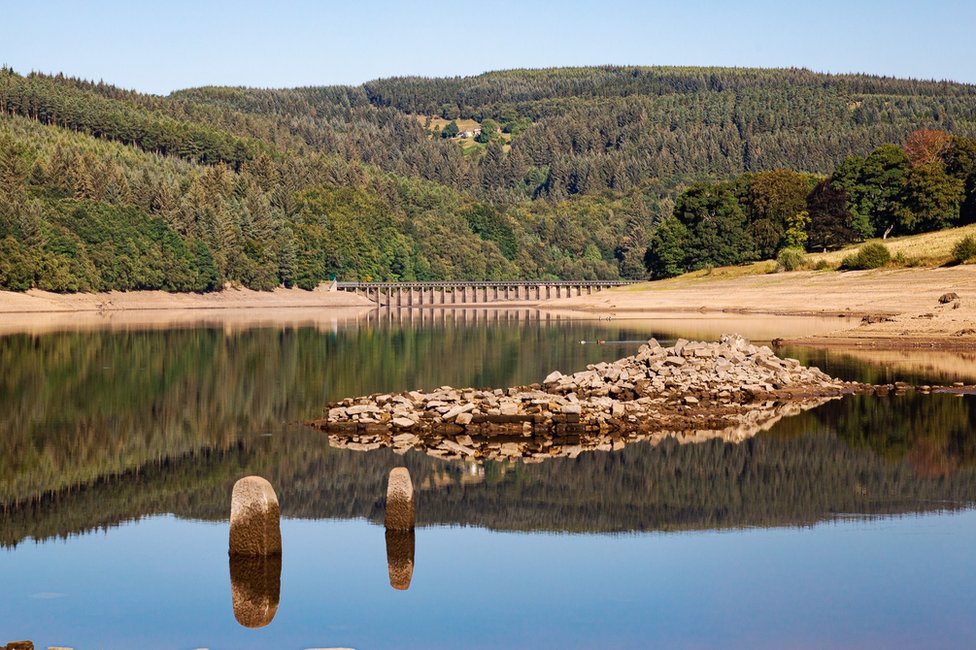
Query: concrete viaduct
[[458, 293]]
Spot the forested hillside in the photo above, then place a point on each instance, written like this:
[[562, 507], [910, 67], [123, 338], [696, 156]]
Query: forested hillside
[[105, 188]]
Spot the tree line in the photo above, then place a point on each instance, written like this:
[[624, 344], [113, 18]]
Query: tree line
[[927, 184], [108, 188]]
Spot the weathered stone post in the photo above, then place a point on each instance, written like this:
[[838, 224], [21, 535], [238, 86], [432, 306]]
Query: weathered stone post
[[255, 551], [399, 557], [255, 528], [399, 500]]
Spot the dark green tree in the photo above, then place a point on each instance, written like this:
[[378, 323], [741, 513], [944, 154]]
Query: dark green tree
[[771, 199], [930, 198], [830, 220], [718, 233], [450, 130], [665, 256]]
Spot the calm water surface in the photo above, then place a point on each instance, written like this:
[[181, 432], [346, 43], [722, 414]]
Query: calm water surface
[[847, 526]]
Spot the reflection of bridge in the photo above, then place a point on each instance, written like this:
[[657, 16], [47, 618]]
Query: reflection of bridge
[[456, 292]]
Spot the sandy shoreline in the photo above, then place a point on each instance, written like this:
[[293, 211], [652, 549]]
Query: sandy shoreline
[[903, 304], [37, 301], [40, 311]]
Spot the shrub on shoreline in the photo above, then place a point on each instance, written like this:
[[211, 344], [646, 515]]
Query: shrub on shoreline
[[870, 256], [791, 259], [964, 250]]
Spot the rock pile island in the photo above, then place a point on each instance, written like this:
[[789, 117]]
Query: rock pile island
[[692, 391]]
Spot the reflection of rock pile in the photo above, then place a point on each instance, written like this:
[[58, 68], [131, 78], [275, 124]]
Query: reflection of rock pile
[[729, 389], [539, 442]]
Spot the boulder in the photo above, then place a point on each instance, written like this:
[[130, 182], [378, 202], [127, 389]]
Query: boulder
[[552, 377]]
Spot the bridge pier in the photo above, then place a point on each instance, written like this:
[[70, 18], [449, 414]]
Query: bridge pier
[[435, 294]]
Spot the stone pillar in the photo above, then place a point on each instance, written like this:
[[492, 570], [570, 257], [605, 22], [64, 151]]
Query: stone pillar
[[400, 546], [255, 585], [399, 500], [255, 528]]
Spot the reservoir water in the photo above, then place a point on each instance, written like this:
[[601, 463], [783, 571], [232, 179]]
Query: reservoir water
[[850, 525]]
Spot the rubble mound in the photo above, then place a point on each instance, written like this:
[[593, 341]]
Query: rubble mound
[[698, 389]]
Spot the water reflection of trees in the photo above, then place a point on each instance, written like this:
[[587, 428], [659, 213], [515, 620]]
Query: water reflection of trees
[[799, 473], [936, 434], [82, 405], [98, 428]]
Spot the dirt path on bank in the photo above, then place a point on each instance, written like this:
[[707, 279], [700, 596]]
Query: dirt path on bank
[[902, 304]]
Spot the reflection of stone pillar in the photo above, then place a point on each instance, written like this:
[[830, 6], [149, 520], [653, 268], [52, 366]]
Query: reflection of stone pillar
[[255, 584], [399, 500], [254, 518], [399, 557]]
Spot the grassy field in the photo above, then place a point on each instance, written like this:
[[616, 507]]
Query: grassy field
[[468, 145], [438, 123]]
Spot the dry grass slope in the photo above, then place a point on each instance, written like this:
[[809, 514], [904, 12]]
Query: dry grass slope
[[927, 249]]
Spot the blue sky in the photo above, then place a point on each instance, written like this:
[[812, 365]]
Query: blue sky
[[159, 47]]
